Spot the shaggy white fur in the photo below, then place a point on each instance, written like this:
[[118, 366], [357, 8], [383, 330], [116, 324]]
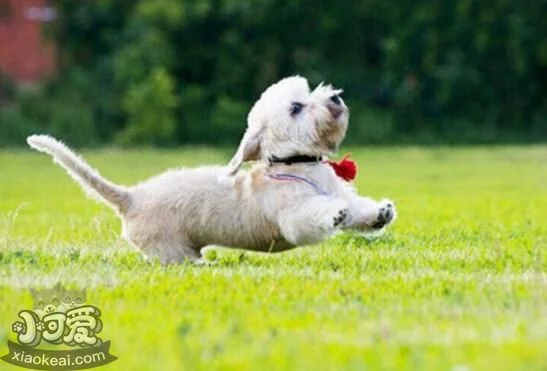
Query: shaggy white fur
[[273, 207]]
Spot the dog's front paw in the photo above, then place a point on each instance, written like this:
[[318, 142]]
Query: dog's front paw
[[340, 218], [386, 214]]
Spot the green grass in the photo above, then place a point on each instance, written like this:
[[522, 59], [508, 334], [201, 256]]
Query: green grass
[[458, 283]]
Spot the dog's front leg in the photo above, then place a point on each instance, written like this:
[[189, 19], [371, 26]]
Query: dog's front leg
[[313, 220], [367, 214]]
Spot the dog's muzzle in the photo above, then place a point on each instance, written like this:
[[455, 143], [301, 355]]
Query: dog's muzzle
[[335, 107]]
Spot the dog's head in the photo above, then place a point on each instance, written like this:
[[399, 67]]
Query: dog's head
[[290, 120]]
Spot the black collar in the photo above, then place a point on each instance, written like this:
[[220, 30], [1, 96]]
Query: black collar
[[296, 159]]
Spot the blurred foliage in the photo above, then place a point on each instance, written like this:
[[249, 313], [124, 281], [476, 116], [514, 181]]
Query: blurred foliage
[[150, 110], [186, 71]]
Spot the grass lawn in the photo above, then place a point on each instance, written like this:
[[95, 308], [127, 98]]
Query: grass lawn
[[458, 283]]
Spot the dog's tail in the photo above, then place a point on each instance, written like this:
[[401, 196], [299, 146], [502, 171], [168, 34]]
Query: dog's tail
[[114, 195]]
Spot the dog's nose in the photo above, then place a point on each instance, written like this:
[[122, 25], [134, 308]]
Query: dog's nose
[[335, 109]]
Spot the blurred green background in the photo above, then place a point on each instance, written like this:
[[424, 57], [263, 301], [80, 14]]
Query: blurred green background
[[170, 72]]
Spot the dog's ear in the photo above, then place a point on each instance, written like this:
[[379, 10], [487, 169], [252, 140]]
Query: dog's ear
[[249, 150]]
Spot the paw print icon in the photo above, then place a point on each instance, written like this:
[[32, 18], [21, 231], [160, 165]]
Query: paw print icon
[[18, 327]]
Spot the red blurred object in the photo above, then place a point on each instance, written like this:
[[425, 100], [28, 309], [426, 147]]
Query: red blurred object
[[25, 56], [345, 168]]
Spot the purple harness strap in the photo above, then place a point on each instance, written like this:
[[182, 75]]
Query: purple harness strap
[[292, 177]]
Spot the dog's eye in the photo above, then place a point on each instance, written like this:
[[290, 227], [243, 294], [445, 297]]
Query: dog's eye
[[336, 99], [296, 108]]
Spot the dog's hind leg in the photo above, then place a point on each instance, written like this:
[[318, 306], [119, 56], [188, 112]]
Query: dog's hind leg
[[167, 254], [161, 245]]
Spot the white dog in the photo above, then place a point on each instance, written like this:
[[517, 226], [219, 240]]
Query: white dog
[[289, 198]]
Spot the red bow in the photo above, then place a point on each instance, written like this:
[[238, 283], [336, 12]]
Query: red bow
[[345, 168]]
